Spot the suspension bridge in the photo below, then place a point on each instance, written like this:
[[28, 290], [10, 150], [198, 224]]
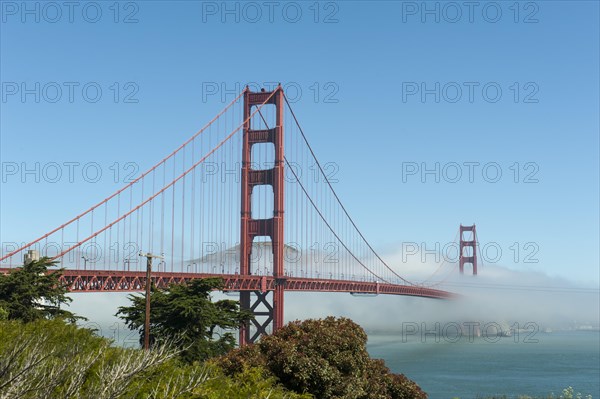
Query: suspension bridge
[[230, 203]]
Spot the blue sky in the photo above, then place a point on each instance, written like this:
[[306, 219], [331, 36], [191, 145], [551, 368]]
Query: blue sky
[[365, 60]]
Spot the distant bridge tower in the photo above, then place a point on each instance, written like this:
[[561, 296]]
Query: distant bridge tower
[[471, 257], [272, 314]]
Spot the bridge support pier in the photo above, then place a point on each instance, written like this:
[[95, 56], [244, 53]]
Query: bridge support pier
[[271, 227], [265, 313]]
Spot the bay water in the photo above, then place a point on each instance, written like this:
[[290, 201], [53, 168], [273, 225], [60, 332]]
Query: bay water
[[474, 367]]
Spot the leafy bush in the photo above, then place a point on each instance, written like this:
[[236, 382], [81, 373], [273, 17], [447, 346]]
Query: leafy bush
[[52, 360], [326, 358], [252, 383], [3, 314]]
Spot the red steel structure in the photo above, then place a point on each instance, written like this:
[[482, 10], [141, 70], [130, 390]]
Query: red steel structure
[[465, 244], [183, 202], [119, 281], [271, 227]]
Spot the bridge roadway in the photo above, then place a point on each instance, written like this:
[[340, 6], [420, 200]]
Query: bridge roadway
[[133, 281]]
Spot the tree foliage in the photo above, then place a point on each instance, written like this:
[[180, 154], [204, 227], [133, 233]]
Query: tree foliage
[[326, 358], [186, 314], [53, 360], [252, 383], [32, 292]]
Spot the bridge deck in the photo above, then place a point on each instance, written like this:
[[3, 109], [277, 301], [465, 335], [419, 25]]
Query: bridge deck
[[133, 281]]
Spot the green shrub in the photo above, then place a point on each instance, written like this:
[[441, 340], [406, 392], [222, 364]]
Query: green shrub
[[54, 360], [326, 358], [251, 383]]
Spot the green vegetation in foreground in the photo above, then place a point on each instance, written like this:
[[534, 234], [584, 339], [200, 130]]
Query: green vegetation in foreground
[[43, 354], [327, 358], [54, 360]]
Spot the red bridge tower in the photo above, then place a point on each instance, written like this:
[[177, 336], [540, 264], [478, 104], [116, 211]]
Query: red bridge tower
[[272, 227], [464, 244]]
